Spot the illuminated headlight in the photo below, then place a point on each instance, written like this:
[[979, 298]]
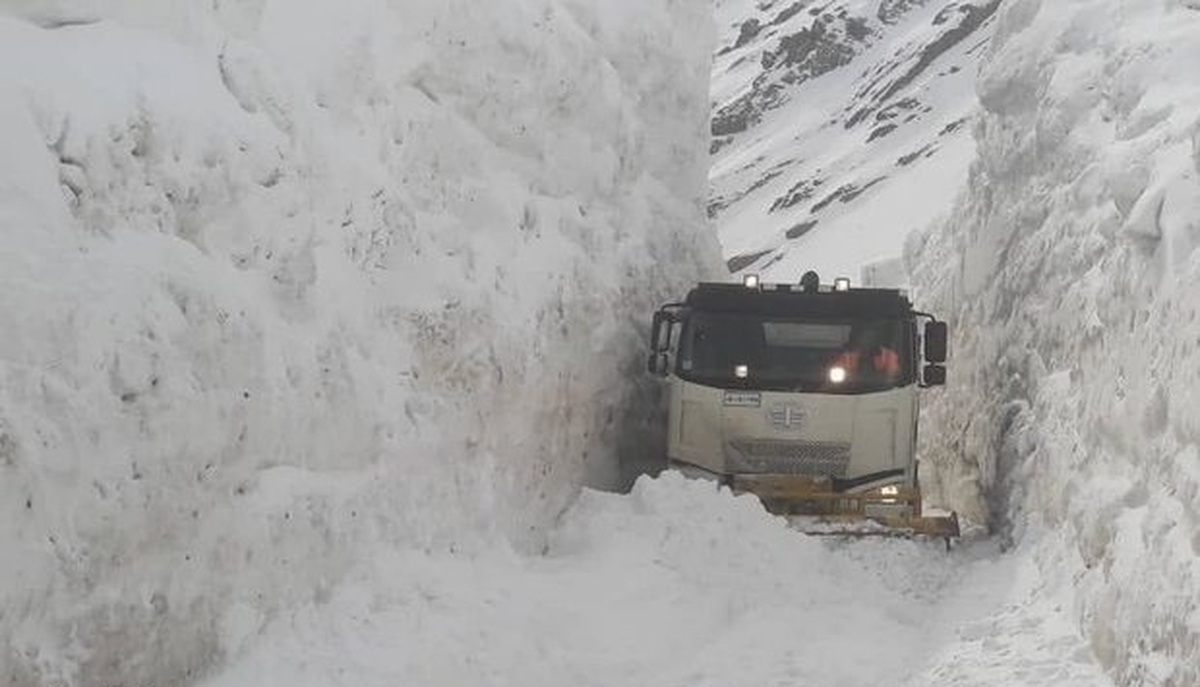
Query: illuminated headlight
[[741, 371], [841, 284], [750, 281], [892, 490], [837, 374]]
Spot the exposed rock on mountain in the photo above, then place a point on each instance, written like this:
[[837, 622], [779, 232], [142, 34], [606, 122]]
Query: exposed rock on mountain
[[836, 115]]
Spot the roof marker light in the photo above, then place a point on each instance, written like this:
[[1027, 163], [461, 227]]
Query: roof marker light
[[750, 281], [841, 284]]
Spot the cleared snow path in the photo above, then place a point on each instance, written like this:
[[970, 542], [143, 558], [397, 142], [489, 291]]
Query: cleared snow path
[[674, 584]]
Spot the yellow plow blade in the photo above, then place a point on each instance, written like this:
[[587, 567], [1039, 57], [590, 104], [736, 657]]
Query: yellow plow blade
[[817, 509]]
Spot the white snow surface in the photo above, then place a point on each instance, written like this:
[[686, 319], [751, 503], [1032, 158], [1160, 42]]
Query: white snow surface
[[287, 283], [678, 584], [1070, 273], [317, 315]]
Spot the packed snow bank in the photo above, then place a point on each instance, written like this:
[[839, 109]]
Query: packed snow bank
[[283, 282], [674, 584], [1073, 282]]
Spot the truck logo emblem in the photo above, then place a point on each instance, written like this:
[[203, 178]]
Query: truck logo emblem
[[785, 417]]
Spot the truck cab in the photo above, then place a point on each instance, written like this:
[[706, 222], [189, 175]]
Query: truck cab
[[804, 394]]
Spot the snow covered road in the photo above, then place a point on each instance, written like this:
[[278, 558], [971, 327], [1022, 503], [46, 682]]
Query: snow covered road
[[675, 584]]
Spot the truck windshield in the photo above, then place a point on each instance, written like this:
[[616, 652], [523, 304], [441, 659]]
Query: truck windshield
[[769, 353]]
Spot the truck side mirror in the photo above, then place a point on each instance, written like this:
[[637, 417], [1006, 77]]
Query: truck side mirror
[[935, 375], [658, 364], [935, 342], [660, 339]]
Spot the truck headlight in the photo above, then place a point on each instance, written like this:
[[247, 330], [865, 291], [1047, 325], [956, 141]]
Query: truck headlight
[[891, 490], [741, 371], [837, 374]]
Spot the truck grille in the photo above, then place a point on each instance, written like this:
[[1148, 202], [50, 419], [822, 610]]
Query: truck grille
[[783, 457]]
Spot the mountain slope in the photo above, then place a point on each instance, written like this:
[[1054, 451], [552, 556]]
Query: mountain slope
[[839, 127]]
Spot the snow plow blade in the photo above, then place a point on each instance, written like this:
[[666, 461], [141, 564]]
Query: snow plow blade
[[815, 507]]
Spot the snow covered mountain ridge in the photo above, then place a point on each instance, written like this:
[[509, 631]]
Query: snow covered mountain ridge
[[282, 283], [832, 118]]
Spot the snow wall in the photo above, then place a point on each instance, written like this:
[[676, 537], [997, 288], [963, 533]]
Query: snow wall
[[1072, 276], [286, 281]]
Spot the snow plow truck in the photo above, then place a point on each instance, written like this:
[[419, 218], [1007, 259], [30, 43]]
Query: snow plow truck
[[805, 395]]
